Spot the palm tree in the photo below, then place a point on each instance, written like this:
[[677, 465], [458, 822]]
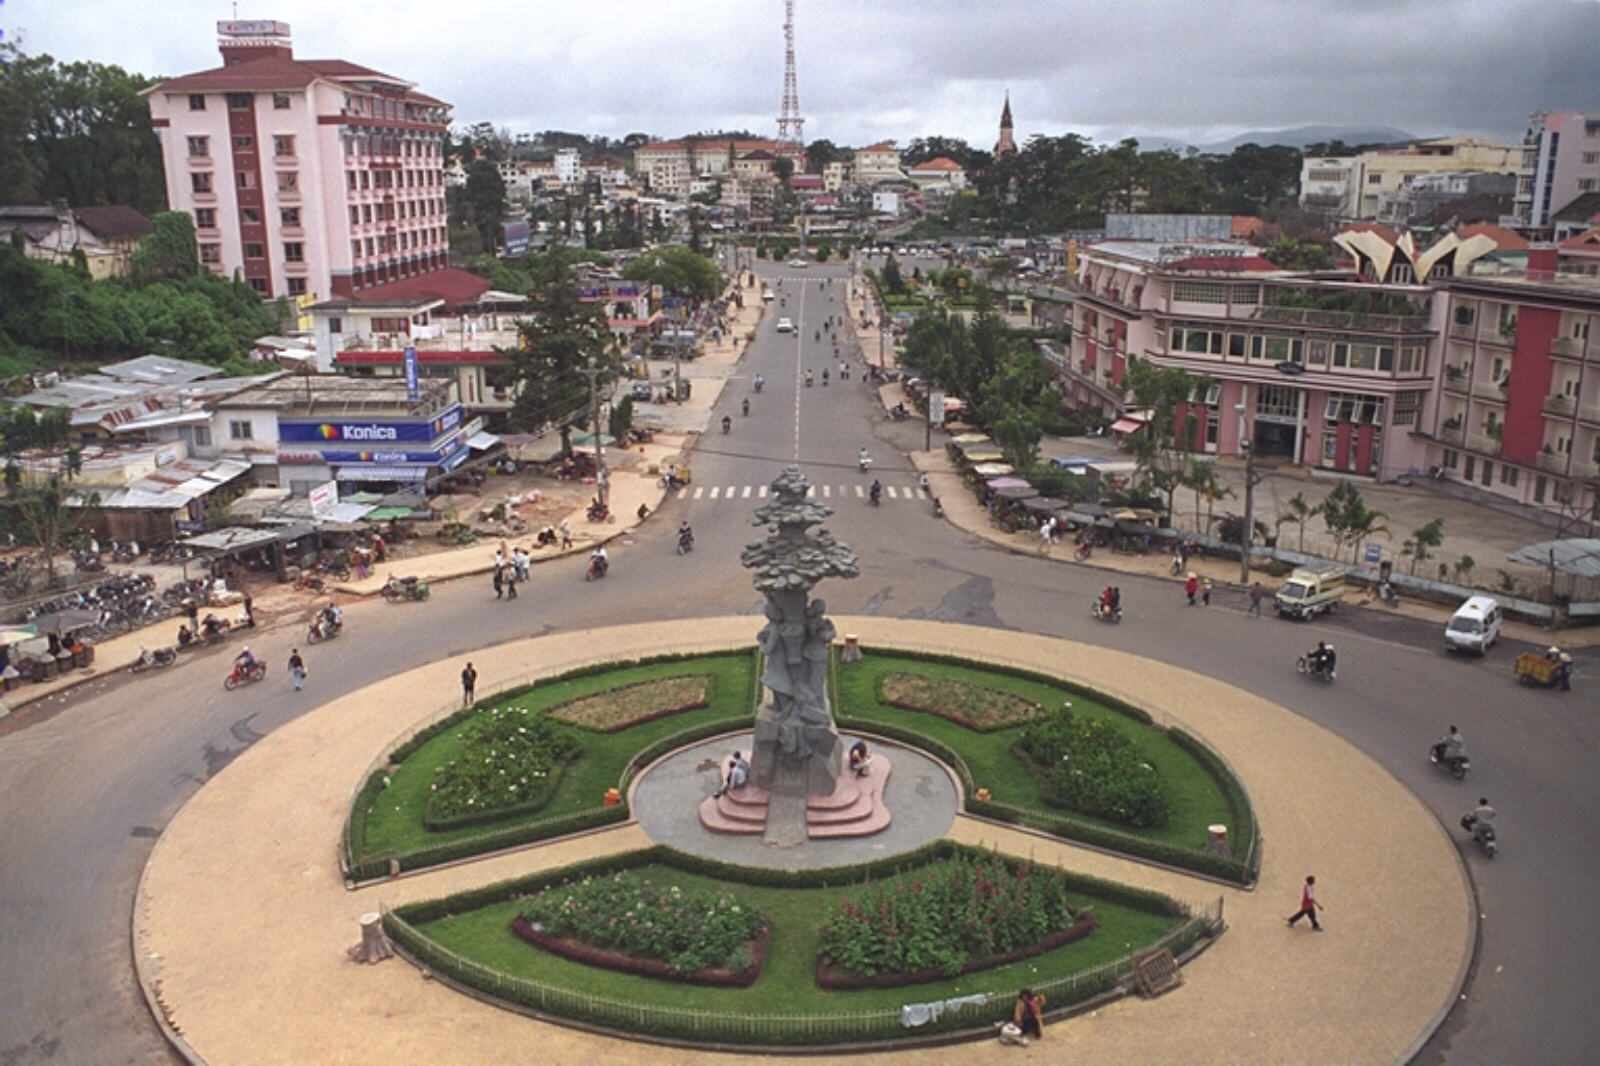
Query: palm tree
[[1360, 523], [1298, 511]]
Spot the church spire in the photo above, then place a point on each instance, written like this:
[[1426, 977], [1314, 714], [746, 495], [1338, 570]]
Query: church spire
[[1006, 145]]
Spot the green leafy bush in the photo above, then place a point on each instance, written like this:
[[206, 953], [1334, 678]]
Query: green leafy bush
[[688, 929], [1091, 767], [511, 758], [942, 917]]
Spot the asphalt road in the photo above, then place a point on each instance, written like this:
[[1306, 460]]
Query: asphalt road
[[85, 790]]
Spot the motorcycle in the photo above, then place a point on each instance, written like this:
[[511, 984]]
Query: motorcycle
[[598, 512], [322, 630], [727, 424], [1083, 550], [1458, 765], [308, 581], [1387, 594], [864, 463], [938, 507], [1319, 670], [685, 542], [150, 659], [758, 383], [242, 675], [405, 588], [1106, 614], [898, 413], [1482, 833], [598, 567], [876, 495], [808, 379], [745, 408]]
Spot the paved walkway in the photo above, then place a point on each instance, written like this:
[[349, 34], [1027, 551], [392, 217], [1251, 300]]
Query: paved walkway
[[241, 920]]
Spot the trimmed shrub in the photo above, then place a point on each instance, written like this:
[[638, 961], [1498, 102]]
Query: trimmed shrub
[[510, 761], [1091, 767]]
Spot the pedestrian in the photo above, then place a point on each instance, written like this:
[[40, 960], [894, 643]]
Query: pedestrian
[[469, 684], [500, 581], [522, 560], [249, 611], [499, 559], [1308, 904], [297, 668], [1047, 534], [566, 533], [192, 608], [1191, 585], [1256, 593], [511, 582], [1205, 592], [1028, 1014], [1177, 561]]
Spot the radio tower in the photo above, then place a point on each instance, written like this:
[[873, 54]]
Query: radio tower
[[791, 127]]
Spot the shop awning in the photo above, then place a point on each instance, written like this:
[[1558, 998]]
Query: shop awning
[[1126, 425], [482, 442], [382, 473]]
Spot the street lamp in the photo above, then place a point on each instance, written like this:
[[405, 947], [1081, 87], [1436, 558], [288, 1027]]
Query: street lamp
[[1247, 532], [593, 372]]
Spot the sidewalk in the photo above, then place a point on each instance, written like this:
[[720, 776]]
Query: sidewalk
[[250, 857]]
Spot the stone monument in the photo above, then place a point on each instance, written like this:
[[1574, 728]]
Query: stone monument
[[796, 752]]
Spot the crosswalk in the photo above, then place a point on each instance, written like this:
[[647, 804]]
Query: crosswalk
[[842, 493]]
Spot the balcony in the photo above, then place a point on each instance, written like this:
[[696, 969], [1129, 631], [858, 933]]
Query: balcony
[[1452, 434], [1584, 470], [1552, 462], [1589, 412], [1456, 383], [1482, 442], [1489, 390], [1464, 330], [1347, 320], [1559, 405], [1566, 348]]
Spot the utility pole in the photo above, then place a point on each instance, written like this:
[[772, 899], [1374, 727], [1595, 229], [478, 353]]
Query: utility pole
[[1247, 534], [593, 371]]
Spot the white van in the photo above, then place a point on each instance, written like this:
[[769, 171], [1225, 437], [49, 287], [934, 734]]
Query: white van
[[1474, 626], [785, 326]]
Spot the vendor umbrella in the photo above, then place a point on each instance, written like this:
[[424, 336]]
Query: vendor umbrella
[[17, 634], [1579, 556], [998, 483], [1017, 492], [64, 621]]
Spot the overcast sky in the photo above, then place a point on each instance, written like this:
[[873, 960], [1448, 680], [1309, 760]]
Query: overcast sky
[[1197, 70]]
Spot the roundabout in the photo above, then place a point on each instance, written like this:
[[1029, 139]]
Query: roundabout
[[242, 918]]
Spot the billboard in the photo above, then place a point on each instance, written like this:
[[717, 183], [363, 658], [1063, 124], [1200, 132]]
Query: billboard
[[515, 238], [373, 431]]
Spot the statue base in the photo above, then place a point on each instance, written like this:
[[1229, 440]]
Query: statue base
[[855, 808]]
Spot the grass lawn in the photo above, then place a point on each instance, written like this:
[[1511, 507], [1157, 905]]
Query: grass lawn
[[395, 823], [787, 984], [1197, 800]]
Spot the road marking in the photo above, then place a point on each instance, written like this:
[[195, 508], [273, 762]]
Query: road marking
[[683, 492], [731, 490], [761, 491], [714, 490], [745, 495], [859, 492], [827, 490], [698, 493]]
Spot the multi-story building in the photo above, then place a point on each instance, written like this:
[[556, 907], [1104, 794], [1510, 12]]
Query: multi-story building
[[1357, 186], [1560, 160], [671, 166], [1519, 387], [938, 173], [878, 162], [313, 177], [1318, 386]]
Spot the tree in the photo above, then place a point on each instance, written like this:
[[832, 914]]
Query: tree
[[678, 270], [1007, 402], [820, 153], [170, 251], [1417, 546], [783, 170], [1349, 519], [484, 201], [1200, 476], [1161, 446], [1298, 511], [894, 284], [49, 513], [557, 343]]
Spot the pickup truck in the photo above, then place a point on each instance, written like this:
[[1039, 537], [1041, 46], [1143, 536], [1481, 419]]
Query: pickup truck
[[1308, 593]]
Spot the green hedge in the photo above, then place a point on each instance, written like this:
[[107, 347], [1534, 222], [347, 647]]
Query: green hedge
[[375, 866], [1244, 835], [500, 814]]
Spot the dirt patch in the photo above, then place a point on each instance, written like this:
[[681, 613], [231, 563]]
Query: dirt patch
[[629, 705], [973, 706]]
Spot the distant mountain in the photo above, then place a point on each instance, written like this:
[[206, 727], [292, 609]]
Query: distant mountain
[[1296, 137]]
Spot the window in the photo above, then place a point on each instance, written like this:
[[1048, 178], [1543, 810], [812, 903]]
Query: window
[[238, 101], [1488, 472], [1317, 352], [197, 101], [1196, 340], [1364, 355], [1374, 179], [283, 144], [1278, 402], [288, 181], [200, 181], [1508, 475], [199, 146], [297, 286], [280, 101], [1211, 427], [1200, 292], [294, 252], [335, 325], [366, 212], [1539, 485], [1588, 184], [1354, 408], [199, 436], [355, 249], [205, 218], [250, 216], [350, 180], [1469, 468], [246, 179], [1451, 459], [355, 215], [1277, 349], [259, 285], [244, 143], [211, 253], [1591, 159], [288, 217], [240, 430], [1413, 359], [253, 250]]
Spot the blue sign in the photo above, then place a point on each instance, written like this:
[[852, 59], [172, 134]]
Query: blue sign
[[413, 386], [1374, 553], [378, 432]]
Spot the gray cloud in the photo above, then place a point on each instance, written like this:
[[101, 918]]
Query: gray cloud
[[1191, 69]]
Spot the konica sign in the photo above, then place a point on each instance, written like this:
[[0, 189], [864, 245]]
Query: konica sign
[[374, 432]]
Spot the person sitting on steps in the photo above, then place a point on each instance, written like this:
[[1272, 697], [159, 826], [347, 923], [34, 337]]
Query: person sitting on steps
[[860, 758], [735, 772]]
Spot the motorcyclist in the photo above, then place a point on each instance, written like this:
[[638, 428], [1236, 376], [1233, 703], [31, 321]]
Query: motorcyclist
[[745, 407], [808, 377], [244, 662], [1329, 659], [1107, 597], [685, 534], [876, 491], [1451, 746], [1481, 818], [727, 424], [759, 381], [1319, 658], [824, 375], [599, 560], [863, 459]]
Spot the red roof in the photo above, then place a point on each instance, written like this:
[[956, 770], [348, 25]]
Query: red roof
[[452, 285], [881, 146], [115, 221], [426, 356], [1226, 264], [1246, 226], [938, 163], [279, 72], [1389, 236], [1504, 239], [1588, 239]]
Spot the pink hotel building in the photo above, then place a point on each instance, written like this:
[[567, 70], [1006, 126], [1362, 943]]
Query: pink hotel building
[[312, 178]]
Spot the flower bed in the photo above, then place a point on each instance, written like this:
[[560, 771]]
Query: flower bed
[[510, 762], [629, 705], [644, 965], [946, 920], [1090, 766], [625, 916], [973, 706]]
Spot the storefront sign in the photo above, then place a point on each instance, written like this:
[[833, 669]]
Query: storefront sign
[[370, 432], [323, 498], [413, 384]]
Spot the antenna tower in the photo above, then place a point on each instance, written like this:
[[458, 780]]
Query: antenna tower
[[791, 127]]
